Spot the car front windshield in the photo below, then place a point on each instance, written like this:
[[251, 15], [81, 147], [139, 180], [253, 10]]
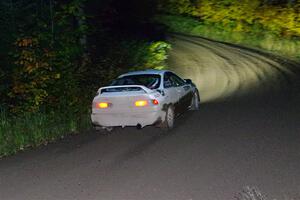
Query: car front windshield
[[151, 81]]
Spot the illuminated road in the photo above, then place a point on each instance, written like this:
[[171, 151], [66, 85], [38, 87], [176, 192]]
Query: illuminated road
[[247, 133], [221, 71]]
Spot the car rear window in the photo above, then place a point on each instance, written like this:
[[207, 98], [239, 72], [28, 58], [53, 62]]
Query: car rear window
[[151, 81]]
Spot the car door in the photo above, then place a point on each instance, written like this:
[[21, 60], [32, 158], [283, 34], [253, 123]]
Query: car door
[[170, 91], [184, 92]]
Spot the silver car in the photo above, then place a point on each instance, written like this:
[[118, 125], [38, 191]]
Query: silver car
[[142, 98]]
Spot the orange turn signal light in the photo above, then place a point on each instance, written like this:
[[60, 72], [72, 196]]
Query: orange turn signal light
[[141, 103], [103, 105]]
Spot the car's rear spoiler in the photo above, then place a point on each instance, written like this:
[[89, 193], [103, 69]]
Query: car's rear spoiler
[[145, 89]]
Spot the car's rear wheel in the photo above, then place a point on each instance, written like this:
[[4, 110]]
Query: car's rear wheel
[[168, 123], [195, 104]]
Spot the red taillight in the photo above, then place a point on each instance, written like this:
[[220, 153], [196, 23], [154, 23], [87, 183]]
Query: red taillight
[[141, 103], [102, 105], [155, 102]]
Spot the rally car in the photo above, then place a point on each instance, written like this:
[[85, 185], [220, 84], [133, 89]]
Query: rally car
[[142, 98]]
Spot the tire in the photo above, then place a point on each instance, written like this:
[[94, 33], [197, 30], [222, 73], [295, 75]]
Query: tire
[[168, 123], [195, 104]]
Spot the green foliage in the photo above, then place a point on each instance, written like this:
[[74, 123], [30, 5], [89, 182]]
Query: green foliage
[[31, 76], [157, 55], [41, 77], [256, 23], [46, 56], [31, 130], [241, 16], [267, 40]]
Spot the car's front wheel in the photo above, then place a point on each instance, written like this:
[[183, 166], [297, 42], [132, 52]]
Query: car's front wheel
[[168, 123]]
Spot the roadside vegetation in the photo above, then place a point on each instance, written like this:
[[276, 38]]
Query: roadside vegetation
[[269, 25], [55, 56]]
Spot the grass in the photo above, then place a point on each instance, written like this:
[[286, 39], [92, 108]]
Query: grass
[[32, 130], [262, 39]]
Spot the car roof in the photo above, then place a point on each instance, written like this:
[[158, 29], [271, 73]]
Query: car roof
[[150, 71]]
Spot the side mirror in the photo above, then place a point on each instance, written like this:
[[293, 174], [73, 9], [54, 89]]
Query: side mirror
[[188, 81]]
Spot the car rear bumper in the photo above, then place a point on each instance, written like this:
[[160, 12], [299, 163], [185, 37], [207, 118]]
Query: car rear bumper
[[127, 119]]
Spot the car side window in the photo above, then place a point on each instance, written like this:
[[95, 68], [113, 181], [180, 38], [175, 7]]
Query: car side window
[[176, 80], [167, 81]]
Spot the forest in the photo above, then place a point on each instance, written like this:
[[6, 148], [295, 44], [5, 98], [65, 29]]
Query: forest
[[279, 17]]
